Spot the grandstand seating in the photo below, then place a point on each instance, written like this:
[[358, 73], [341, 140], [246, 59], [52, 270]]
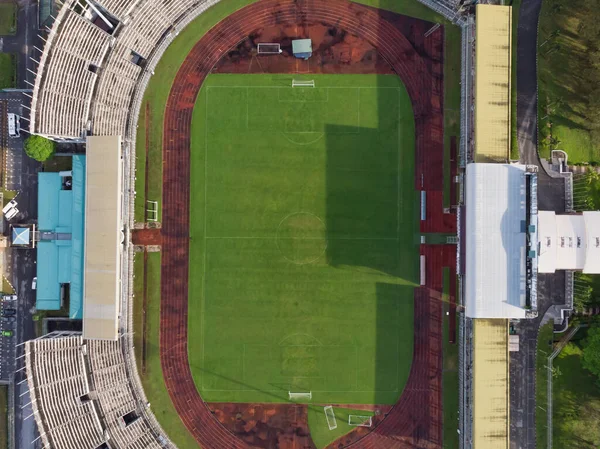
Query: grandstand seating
[[80, 392], [87, 76]]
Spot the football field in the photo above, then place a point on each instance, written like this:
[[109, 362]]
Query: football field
[[304, 239]]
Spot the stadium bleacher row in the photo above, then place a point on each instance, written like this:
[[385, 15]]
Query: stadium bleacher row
[[82, 398], [89, 69]]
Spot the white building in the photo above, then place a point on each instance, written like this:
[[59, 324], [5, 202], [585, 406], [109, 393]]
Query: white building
[[569, 242], [501, 219]]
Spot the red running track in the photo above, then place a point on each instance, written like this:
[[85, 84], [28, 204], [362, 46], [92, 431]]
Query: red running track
[[415, 422]]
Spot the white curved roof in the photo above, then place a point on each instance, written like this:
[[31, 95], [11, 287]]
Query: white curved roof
[[569, 242], [495, 278]]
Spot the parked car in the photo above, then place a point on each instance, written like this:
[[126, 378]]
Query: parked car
[[8, 319], [10, 205], [8, 333], [34, 283], [11, 213], [9, 297], [9, 312]]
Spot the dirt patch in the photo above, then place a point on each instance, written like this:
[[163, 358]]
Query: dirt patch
[[280, 426], [146, 237]]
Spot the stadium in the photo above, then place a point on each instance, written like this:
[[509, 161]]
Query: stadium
[[269, 245]]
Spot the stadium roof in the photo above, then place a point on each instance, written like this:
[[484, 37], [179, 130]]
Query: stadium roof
[[493, 44], [569, 242], [490, 384], [496, 242], [103, 238], [60, 248]]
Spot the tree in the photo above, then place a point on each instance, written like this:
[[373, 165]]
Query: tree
[[591, 351], [39, 148]]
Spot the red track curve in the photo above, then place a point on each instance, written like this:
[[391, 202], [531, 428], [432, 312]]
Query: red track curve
[[415, 421]]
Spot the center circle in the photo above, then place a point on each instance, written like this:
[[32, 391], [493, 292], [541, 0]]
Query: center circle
[[302, 238]]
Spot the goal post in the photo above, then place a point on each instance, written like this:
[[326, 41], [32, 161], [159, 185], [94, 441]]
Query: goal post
[[152, 210], [296, 396], [331, 422], [267, 48], [303, 83], [360, 421]]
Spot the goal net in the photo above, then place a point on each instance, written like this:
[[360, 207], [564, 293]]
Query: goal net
[[269, 49], [152, 210], [300, 396], [303, 83], [331, 422], [360, 421]]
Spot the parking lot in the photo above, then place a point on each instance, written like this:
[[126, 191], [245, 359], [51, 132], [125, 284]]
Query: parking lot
[[8, 337]]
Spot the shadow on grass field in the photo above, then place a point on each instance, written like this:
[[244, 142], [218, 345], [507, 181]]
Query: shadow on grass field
[[450, 374], [567, 79], [309, 258], [545, 348], [8, 18], [152, 379], [8, 70], [576, 422]]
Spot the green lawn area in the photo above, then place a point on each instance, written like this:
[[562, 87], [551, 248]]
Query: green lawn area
[[319, 429], [156, 98], [450, 376], [545, 339], [303, 230], [158, 89], [452, 69], [514, 145], [152, 380], [576, 421], [138, 304], [8, 68], [8, 18], [3, 416], [566, 80]]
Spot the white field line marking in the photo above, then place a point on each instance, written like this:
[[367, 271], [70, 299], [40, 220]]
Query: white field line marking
[[320, 136], [299, 238], [358, 112], [399, 166], [203, 308], [224, 86], [314, 391]]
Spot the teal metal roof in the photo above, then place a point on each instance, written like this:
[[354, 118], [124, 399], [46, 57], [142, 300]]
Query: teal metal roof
[[61, 261], [48, 287], [48, 188]]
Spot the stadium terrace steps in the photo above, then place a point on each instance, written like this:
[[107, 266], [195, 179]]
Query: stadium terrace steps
[[80, 395]]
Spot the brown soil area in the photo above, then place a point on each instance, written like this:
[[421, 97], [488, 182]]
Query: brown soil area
[[146, 237], [282, 426]]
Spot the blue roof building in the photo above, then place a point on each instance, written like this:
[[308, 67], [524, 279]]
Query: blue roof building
[[60, 245]]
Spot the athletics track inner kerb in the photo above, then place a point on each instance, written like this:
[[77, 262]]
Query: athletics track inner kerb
[[416, 420]]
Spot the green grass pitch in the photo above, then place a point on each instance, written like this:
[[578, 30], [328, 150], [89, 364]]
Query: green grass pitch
[[304, 239]]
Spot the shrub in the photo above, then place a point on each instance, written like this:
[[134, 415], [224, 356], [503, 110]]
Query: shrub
[[39, 148]]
